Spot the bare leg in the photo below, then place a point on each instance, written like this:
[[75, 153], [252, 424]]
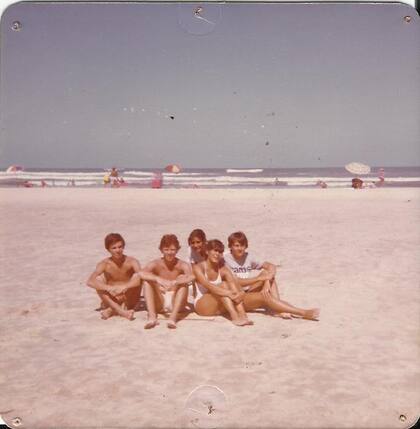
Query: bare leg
[[102, 305], [107, 313], [153, 303], [274, 290], [236, 311], [212, 305], [239, 308], [133, 297], [209, 305], [255, 300], [117, 307], [231, 309], [179, 301]]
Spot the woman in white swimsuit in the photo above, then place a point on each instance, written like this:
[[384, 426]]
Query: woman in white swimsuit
[[217, 292]]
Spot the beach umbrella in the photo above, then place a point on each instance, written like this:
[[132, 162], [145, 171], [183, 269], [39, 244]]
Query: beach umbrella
[[357, 168], [14, 169], [173, 168]]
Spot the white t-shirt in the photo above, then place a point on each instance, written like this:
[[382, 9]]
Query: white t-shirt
[[243, 269]]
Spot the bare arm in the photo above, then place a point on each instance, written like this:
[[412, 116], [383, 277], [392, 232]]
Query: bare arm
[[148, 274], [268, 274], [94, 282], [200, 278], [150, 277], [248, 281], [270, 268], [229, 278], [136, 265], [187, 275]]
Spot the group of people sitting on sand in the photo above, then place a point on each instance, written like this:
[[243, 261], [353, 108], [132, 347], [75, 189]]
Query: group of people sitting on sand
[[211, 283]]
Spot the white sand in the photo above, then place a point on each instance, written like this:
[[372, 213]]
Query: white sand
[[352, 253]]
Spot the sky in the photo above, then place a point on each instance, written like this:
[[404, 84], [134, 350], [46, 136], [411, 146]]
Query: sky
[[242, 85]]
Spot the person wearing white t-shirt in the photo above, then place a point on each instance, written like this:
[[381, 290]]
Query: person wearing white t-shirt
[[257, 278], [251, 272]]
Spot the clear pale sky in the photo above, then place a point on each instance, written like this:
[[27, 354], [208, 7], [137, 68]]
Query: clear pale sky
[[269, 85]]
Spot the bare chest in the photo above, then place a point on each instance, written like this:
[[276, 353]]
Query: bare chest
[[168, 273], [115, 273]]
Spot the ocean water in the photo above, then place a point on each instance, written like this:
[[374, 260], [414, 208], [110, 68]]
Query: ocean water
[[336, 177]]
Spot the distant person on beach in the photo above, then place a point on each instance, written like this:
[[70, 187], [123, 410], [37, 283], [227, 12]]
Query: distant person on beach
[[114, 172], [171, 297], [217, 291], [111, 276], [157, 180], [356, 183], [321, 184], [257, 279], [381, 177]]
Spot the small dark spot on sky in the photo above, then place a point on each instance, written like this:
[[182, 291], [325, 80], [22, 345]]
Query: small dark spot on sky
[[271, 114], [267, 143], [319, 159], [234, 92], [296, 126], [172, 117]]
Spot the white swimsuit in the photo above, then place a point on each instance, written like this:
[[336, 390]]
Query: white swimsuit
[[201, 290]]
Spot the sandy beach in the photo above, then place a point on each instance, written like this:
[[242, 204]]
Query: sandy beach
[[352, 253]]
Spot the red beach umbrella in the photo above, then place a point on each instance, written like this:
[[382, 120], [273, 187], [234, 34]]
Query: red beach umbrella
[[173, 168]]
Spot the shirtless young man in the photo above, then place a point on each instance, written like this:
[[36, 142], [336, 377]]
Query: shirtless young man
[[118, 280], [261, 288], [172, 297]]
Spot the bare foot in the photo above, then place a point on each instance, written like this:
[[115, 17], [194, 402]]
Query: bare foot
[[312, 314], [171, 324], [248, 322], [238, 322], [283, 315], [129, 314], [101, 307], [151, 324], [107, 313]]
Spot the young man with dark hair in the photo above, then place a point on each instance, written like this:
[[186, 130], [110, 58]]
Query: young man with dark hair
[[118, 280], [251, 274], [261, 290], [170, 298]]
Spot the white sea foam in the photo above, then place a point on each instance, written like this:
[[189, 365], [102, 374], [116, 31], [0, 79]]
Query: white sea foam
[[206, 178], [238, 170]]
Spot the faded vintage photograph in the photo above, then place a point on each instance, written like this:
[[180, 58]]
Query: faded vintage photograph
[[209, 215]]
